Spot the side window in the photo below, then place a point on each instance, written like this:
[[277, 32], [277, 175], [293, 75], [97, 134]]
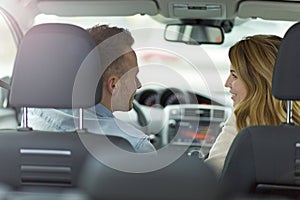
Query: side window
[[8, 52], [8, 49]]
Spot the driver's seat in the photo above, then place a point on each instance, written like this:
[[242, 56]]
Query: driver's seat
[[52, 65]]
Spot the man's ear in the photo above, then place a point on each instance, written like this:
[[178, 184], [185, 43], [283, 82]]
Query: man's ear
[[112, 83]]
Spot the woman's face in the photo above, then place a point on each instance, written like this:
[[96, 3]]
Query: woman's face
[[237, 87]]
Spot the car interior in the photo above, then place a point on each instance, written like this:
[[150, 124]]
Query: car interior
[[182, 49]]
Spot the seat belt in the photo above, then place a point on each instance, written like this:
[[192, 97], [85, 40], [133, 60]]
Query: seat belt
[[4, 85]]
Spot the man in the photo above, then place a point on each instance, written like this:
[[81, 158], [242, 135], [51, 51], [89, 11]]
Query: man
[[119, 83]]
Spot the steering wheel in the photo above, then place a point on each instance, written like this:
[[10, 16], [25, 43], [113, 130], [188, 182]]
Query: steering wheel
[[141, 118], [143, 122]]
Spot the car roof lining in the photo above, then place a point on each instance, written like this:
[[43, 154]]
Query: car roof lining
[[201, 9]]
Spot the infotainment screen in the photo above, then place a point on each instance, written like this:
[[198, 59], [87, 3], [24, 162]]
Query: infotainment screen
[[196, 125], [199, 133]]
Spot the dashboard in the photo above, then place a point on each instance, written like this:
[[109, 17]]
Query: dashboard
[[178, 117], [171, 96]]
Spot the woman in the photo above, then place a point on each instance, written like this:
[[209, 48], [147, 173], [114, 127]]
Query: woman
[[252, 62]]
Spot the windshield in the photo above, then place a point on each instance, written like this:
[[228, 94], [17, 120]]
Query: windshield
[[206, 62]]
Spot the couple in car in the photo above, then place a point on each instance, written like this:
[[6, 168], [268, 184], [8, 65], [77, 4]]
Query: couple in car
[[252, 62]]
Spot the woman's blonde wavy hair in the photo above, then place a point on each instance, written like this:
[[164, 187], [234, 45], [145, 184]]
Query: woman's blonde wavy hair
[[253, 60]]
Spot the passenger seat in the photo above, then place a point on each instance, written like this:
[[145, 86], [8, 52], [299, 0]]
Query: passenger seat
[[264, 161]]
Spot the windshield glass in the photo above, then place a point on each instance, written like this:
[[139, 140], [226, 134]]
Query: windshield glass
[[198, 67]]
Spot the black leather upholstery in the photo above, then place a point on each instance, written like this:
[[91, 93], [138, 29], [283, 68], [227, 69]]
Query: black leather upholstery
[[265, 160]]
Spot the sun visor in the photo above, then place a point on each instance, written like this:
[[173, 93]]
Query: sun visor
[[272, 10], [98, 8]]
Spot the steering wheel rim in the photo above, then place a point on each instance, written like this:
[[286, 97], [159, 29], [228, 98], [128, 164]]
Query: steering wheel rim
[[141, 118], [143, 122]]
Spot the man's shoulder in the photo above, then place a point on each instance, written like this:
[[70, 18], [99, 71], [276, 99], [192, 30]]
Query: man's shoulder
[[50, 111], [129, 128], [51, 119]]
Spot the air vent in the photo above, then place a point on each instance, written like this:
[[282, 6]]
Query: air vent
[[219, 114], [197, 112]]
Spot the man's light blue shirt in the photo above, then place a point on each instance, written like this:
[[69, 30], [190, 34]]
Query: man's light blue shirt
[[97, 119]]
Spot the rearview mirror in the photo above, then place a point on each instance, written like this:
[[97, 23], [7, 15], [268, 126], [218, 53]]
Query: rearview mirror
[[194, 34]]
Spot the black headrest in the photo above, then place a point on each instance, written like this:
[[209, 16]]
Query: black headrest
[[57, 66], [286, 76]]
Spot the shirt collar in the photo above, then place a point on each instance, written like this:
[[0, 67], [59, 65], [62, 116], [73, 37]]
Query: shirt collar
[[102, 111]]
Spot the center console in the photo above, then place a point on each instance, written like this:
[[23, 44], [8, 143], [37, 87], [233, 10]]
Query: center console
[[192, 125]]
